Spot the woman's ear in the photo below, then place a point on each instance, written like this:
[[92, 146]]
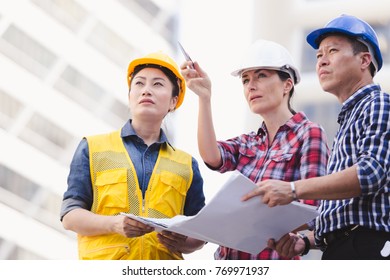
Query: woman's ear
[[173, 103], [288, 85]]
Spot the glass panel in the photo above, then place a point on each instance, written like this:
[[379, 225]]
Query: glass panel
[[149, 6], [9, 109], [110, 44], [155, 17], [16, 183], [79, 88], [47, 129], [20, 253], [145, 9], [121, 110], [27, 52], [67, 12], [383, 32], [309, 60]]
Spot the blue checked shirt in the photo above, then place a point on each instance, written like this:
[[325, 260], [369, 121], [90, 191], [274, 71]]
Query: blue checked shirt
[[362, 140]]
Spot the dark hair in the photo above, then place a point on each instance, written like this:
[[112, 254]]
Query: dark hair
[[284, 77], [358, 47], [172, 77]]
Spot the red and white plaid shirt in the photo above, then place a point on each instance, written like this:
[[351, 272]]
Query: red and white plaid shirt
[[299, 151]]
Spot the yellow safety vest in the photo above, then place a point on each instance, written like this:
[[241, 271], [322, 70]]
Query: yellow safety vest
[[116, 189]]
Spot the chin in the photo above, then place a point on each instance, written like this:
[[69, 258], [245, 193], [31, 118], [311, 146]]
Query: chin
[[257, 109], [326, 86]]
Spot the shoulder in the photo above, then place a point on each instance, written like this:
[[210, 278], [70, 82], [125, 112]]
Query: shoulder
[[305, 125], [308, 131], [178, 153], [102, 135], [375, 103], [380, 96]]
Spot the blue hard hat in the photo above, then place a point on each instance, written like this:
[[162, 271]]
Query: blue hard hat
[[354, 27]]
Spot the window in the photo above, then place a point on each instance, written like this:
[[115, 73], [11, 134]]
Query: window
[[27, 52], [46, 136], [160, 20], [79, 88], [67, 12], [119, 109], [9, 109], [110, 44], [16, 183], [383, 33]]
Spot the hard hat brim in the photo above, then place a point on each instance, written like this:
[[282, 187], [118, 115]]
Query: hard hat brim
[[315, 35], [296, 77]]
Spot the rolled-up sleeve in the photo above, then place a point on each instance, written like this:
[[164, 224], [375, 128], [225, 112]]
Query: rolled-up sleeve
[[195, 199], [79, 192]]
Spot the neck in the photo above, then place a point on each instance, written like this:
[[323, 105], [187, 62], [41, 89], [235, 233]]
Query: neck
[[147, 131], [274, 122], [349, 89]]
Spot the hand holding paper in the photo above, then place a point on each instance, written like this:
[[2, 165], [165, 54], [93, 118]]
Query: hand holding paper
[[230, 222]]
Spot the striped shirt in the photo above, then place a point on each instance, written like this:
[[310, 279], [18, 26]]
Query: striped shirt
[[298, 151], [362, 140]]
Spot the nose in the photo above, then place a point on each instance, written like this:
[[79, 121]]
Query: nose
[[323, 60], [251, 84], [146, 91]]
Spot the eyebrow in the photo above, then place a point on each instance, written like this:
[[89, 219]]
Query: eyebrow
[[256, 71], [154, 79]]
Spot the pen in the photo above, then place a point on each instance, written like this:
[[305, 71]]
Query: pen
[[187, 57]]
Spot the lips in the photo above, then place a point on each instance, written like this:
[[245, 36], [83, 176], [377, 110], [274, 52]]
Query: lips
[[254, 97], [146, 100], [323, 73]]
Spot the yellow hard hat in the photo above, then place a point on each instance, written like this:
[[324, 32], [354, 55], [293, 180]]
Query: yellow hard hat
[[159, 58]]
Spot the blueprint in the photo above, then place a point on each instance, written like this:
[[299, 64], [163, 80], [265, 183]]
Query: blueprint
[[230, 222]]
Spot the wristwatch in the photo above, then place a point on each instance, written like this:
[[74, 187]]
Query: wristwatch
[[307, 243]]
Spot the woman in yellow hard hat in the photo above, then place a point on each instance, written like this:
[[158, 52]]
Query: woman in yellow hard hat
[[135, 170], [287, 146]]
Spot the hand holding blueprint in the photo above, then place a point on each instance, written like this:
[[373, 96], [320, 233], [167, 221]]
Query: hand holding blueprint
[[227, 221]]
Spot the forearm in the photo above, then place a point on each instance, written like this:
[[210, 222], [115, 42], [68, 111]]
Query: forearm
[[207, 142], [87, 223], [340, 185], [192, 245]]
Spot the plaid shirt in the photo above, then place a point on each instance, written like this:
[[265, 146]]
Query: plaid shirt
[[362, 140], [298, 151]]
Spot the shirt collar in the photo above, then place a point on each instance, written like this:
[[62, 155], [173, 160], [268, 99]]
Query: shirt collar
[[128, 131], [355, 98], [293, 123]]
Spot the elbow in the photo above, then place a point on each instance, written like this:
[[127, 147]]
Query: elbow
[[213, 161], [65, 222], [69, 220], [213, 164]]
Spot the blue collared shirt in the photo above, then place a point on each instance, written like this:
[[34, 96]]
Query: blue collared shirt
[[362, 140], [79, 193]]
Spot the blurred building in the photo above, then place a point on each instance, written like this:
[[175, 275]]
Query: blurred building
[[63, 66], [63, 75]]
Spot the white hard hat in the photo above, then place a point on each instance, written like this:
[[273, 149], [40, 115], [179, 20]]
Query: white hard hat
[[264, 54]]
